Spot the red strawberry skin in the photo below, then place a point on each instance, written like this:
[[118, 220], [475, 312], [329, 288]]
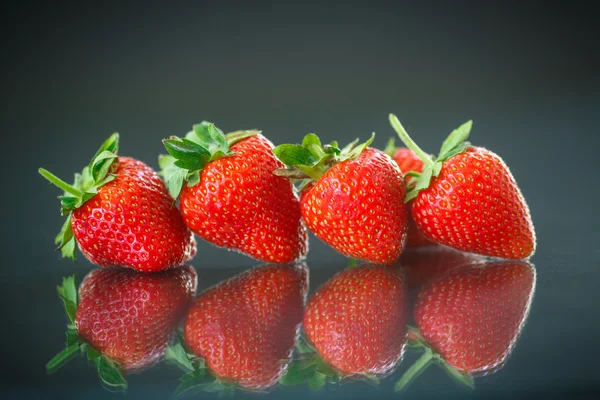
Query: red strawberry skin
[[246, 326], [240, 204], [408, 161], [132, 222], [472, 316], [130, 316], [357, 207], [357, 320], [475, 205]]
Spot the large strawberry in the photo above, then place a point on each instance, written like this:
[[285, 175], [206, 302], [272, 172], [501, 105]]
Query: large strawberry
[[410, 164], [242, 331], [353, 199], [230, 196], [123, 319], [120, 213], [468, 199], [356, 322], [470, 318]]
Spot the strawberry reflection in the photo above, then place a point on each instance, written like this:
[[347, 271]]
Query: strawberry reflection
[[123, 319], [470, 318], [355, 326], [241, 332]]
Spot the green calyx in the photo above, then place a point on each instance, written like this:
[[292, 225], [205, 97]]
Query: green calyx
[[197, 377], [417, 342], [454, 144], [310, 160], [85, 186], [108, 370], [188, 155], [308, 368]]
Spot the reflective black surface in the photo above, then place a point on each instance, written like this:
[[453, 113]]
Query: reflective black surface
[[525, 73]]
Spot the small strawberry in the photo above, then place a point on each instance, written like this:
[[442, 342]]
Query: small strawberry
[[120, 213], [468, 199], [123, 319], [229, 195], [357, 320], [426, 264], [470, 319], [242, 331], [352, 198], [409, 164]]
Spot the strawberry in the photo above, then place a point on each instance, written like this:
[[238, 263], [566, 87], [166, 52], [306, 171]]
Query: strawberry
[[357, 320], [123, 319], [120, 213], [352, 198], [468, 199], [426, 264], [409, 163], [242, 331], [229, 195], [471, 317]]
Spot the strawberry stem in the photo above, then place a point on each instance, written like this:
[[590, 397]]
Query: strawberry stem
[[407, 140], [60, 183], [415, 370]]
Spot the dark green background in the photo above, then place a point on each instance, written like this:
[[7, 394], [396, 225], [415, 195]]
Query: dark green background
[[526, 73]]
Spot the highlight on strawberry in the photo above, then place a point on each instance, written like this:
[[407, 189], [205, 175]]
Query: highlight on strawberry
[[351, 198], [123, 320], [120, 213], [229, 195], [467, 198], [354, 326], [240, 334], [469, 319]]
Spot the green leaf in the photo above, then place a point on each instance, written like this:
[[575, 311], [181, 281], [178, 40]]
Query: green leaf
[[62, 358], [352, 262], [297, 374], [371, 379], [349, 147], [72, 335], [437, 168], [211, 138], [110, 374], [67, 292], [68, 250], [317, 381], [175, 182], [66, 240], [356, 151], [92, 353], [464, 380], [456, 138], [390, 148], [193, 383], [189, 155], [177, 355], [101, 164], [111, 145], [414, 371], [303, 347], [422, 182], [311, 139], [295, 155], [234, 137]]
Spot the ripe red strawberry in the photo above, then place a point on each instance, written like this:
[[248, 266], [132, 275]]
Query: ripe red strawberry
[[120, 213], [471, 317], [354, 202], [232, 198], [244, 329], [357, 320], [124, 319], [424, 265], [409, 163], [468, 199]]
